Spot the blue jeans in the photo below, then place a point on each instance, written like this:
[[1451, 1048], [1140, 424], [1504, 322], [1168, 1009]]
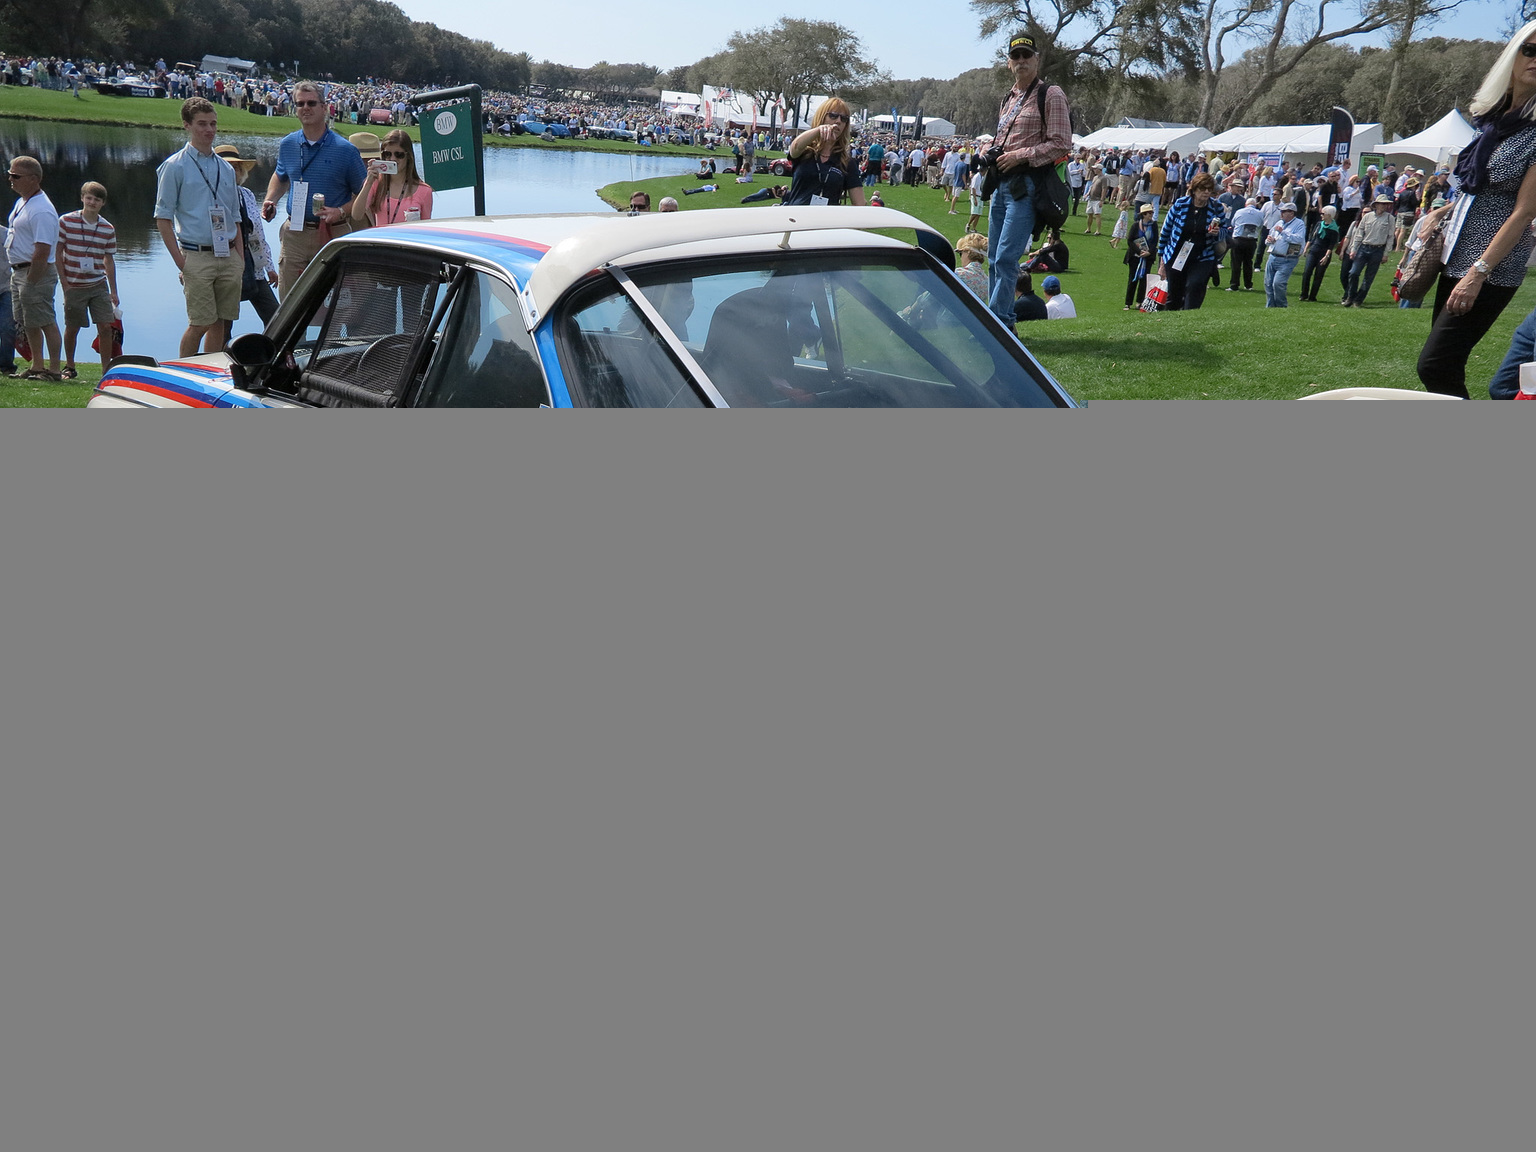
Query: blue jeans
[[7, 334], [1363, 271], [1522, 349], [1008, 234], [1276, 273]]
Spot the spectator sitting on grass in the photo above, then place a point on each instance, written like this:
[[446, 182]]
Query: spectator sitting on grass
[[1058, 305], [1026, 305]]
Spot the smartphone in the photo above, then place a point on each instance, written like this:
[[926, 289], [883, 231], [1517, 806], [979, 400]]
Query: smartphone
[[389, 167]]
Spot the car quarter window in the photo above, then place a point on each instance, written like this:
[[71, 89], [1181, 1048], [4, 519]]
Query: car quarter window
[[485, 356], [614, 359]]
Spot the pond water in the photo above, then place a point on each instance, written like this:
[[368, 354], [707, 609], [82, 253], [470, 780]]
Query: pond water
[[517, 180]]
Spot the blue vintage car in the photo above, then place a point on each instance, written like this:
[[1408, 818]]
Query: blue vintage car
[[758, 307]]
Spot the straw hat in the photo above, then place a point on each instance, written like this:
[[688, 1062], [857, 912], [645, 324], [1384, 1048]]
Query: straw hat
[[1147, 210], [366, 143], [232, 154]]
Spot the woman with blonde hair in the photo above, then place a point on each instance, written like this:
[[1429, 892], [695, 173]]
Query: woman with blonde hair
[[393, 197], [972, 251], [1489, 240], [823, 157]]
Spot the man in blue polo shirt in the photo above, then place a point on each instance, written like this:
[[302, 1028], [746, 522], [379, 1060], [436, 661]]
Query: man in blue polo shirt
[[197, 210], [312, 160]]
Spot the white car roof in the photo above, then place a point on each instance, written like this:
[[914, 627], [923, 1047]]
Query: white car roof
[[580, 243]]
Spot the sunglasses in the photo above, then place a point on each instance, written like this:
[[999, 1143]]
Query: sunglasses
[[306, 103], [1528, 51], [16, 175], [386, 154], [1021, 54], [837, 116]]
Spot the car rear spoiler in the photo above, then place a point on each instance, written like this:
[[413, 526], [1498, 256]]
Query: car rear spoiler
[[572, 258]]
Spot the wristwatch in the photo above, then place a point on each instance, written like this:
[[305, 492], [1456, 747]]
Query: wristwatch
[[1482, 266]]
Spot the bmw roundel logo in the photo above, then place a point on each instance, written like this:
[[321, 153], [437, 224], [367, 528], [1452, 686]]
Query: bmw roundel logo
[[445, 123]]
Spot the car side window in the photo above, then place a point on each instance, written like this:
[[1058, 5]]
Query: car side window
[[613, 358], [485, 357]]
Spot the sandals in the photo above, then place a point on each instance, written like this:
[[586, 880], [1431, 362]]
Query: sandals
[[69, 374]]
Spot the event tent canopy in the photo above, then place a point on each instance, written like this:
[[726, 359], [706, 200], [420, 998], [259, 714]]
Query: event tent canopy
[[1295, 141], [1180, 140], [1439, 143], [932, 125]]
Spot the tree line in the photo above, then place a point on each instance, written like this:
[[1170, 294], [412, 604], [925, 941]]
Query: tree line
[[1215, 63]]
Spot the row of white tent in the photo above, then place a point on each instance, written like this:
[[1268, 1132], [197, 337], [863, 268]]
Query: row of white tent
[[724, 106], [1299, 143]]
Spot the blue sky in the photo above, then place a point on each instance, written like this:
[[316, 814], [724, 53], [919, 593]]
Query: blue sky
[[934, 38]]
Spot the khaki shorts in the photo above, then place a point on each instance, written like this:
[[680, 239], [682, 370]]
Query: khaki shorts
[[298, 249], [88, 305], [32, 304], [212, 287]]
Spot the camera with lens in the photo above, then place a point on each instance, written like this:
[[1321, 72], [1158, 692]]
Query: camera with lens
[[992, 155]]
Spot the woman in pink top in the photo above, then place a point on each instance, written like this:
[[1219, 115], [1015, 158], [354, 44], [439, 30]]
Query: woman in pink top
[[393, 198]]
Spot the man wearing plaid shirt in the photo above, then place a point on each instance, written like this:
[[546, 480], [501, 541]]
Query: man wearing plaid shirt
[[1026, 143]]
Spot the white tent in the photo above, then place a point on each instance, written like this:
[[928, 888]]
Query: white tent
[[932, 125], [682, 102], [1439, 143], [1180, 140], [1300, 143]]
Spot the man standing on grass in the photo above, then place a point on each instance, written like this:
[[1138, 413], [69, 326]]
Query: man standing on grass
[[197, 209], [87, 248], [7, 322], [34, 233], [1027, 141], [312, 160]]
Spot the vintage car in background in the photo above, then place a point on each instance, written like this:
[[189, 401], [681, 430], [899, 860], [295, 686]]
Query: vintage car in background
[[131, 86], [772, 307]]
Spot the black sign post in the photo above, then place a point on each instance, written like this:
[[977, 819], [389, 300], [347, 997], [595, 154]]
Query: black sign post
[[471, 92]]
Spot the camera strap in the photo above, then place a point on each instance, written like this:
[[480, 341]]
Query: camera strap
[[1004, 127]]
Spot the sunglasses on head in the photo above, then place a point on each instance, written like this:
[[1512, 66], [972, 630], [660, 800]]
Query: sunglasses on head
[[1021, 54], [1528, 50]]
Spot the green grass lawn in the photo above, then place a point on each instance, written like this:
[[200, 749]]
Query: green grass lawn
[[1232, 347], [38, 394], [137, 112]]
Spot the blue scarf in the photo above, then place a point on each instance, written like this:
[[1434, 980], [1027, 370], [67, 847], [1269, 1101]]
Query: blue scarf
[[1471, 174]]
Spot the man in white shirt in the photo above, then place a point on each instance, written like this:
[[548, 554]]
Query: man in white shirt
[[1058, 305], [1247, 227], [34, 225]]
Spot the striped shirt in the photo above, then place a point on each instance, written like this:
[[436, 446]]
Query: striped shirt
[[84, 248]]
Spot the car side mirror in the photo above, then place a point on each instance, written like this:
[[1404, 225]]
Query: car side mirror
[[248, 353]]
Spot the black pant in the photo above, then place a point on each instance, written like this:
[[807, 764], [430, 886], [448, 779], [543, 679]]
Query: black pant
[[1136, 285], [1077, 194], [1443, 359], [1186, 289], [263, 300], [1242, 261], [1312, 274]]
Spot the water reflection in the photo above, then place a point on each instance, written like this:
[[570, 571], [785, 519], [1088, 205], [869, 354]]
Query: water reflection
[[124, 159]]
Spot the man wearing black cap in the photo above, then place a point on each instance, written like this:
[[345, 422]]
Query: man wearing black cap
[[1026, 140]]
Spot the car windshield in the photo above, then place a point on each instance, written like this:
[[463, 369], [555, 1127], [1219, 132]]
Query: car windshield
[[856, 329]]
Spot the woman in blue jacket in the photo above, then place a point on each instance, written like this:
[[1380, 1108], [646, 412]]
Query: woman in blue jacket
[[1198, 221]]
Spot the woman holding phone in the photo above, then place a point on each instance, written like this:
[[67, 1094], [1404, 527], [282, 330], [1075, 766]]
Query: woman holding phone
[[393, 193]]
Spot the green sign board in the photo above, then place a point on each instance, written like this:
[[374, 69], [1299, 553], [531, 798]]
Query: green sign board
[[1369, 158], [450, 144]]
